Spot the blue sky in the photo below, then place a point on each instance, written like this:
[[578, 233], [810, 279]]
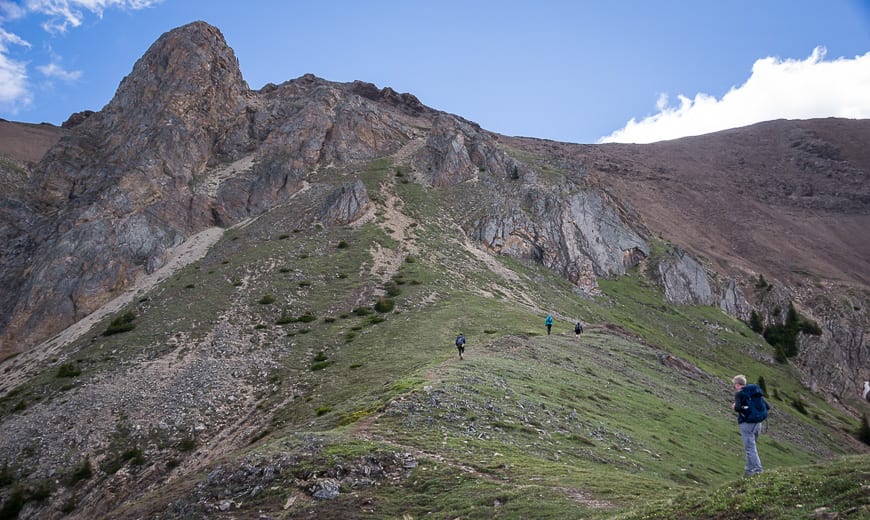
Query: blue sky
[[578, 71]]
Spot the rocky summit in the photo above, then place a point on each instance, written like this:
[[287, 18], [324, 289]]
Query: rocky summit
[[225, 302]]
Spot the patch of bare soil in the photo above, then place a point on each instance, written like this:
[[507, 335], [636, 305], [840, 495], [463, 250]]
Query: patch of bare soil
[[386, 262]]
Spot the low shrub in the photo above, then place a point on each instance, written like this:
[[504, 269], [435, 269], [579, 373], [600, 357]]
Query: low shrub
[[362, 311], [69, 370], [187, 444], [122, 323], [320, 365], [384, 305], [799, 405], [285, 318], [6, 475], [81, 472]]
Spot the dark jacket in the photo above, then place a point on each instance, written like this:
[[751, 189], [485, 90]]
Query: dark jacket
[[741, 404]]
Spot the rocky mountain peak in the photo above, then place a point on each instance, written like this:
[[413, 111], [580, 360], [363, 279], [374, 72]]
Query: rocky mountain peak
[[189, 71]]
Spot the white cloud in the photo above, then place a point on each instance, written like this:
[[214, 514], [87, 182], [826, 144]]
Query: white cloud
[[7, 37], [15, 88], [14, 93], [54, 70], [10, 10], [776, 89], [69, 13]]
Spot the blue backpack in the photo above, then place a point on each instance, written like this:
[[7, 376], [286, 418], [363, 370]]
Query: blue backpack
[[753, 407]]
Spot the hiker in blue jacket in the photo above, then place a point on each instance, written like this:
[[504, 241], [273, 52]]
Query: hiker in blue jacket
[[549, 323], [460, 344], [751, 411]]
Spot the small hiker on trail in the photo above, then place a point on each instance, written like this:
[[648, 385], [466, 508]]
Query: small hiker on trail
[[866, 393], [578, 329], [460, 344], [549, 323]]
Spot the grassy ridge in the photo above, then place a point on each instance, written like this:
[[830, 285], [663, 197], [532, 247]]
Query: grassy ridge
[[631, 419]]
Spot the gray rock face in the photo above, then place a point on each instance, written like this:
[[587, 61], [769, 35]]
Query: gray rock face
[[346, 204], [836, 362], [123, 187], [445, 159], [684, 279], [576, 234], [733, 302]]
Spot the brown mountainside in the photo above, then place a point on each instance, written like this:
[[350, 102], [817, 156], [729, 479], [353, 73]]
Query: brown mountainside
[[775, 198]]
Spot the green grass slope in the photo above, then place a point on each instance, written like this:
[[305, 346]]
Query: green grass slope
[[362, 408]]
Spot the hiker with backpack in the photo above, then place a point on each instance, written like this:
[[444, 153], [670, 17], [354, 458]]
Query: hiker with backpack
[[549, 323], [751, 411], [460, 344], [578, 329]]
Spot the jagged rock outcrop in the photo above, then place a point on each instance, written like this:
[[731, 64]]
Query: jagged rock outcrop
[[829, 362], [684, 279], [733, 301], [445, 159], [114, 195], [182, 146], [77, 119], [346, 204], [576, 234]]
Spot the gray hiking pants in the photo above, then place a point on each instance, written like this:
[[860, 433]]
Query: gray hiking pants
[[749, 432]]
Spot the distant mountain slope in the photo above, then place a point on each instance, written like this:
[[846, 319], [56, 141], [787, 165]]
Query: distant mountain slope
[[775, 198], [27, 142]]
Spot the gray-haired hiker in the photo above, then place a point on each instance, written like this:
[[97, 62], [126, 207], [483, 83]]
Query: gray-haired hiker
[[460, 344], [751, 411]]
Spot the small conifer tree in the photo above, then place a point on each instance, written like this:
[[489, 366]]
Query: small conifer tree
[[864, 431], [755, 322]]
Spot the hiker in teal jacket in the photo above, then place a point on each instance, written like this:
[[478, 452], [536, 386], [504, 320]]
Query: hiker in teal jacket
[[549, 323]]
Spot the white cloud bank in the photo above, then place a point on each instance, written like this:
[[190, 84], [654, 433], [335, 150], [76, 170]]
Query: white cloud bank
[[15, 86], [777, 89]]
